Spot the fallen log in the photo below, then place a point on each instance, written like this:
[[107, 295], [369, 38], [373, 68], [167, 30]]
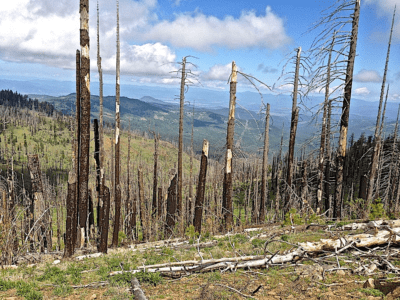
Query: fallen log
[[367, 225], [137, 291], [379, 237], [94, 255], [187, 267]]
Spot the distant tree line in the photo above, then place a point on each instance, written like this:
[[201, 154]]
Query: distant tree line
[[10, 98]]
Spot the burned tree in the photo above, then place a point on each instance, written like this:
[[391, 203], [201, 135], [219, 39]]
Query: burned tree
[[344, 120], [227, 208], [201, 186], [180, 145], [117, 187], [264, 187], [293, 129], [85, 119]]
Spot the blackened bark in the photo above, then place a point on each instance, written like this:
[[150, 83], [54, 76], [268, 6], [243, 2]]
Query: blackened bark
[[171, 208], [77, 148], [71, 214], [117, 196], [290, 167], [144, 222], [85, 117], [104, 222], [97, 159], [160, 203], [201, 186], [155, 179], [322, 155], [264, 176], [91, 212], [293, 129]]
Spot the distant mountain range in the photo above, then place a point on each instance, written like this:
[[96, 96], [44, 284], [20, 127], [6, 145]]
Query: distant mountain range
[[154, 108]]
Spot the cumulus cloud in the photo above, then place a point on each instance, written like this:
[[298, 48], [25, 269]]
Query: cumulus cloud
[[30, 34], [202, 32], [218, 72], [144, 60], [362, 91], [368, 76], [47, 32]]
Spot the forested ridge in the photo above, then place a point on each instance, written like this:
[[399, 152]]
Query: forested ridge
[[14, 99]]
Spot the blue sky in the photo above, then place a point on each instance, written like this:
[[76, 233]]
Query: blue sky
[[38, 40]]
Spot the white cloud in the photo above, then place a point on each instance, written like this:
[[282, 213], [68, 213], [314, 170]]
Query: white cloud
[[394, 97], [202, 32], [144, 60], [362, 91], [47, 32], [29, 34], [218, 72], [367, 76]]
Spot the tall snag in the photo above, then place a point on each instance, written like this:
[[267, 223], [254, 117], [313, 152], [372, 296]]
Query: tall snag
[[201, 186], [227, 208], [264, 187], [377, 136], [180, 146], [344, 120], [77, 147], [293, 129], [100, 139], [85, 118], [117, 187], [321, 157]]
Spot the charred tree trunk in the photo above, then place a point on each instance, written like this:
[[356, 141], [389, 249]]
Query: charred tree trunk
[[100, 194], [322, 155], [264, 176], [117, 187], [37, 190], [104, 222], [77, 148], [201, 186], [143, 211], [155, 179], [344, 121], [85, 119], [71, 216], [293, 129], [97, 159], [128, 203], [191, 200], [227, 208], [327, 175], [171, 208], [290, 168]]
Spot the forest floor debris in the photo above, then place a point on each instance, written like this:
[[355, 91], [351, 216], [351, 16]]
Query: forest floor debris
[[348, 271]]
